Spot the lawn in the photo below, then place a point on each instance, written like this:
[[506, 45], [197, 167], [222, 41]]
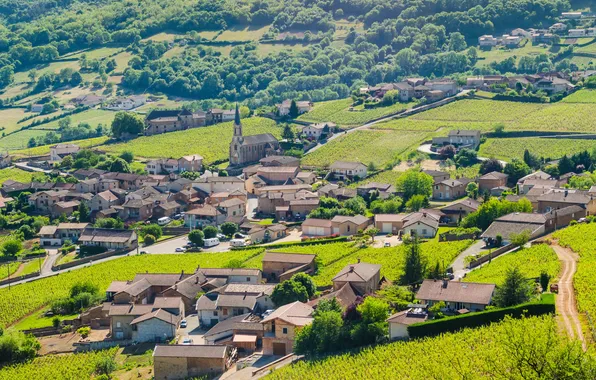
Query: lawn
[[163, 102], [338, 111], [15, 174], [502, 53], [581, 96], [45, 149], [530, 261], [508, 148], [366, 146], [174, 52], [55, 67], [210, 142], [92, 117], [246, 34], [9, 118], [387, 176], [38, 319], [19, 139], [99, 53]]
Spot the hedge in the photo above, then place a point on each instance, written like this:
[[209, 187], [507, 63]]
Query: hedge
[[546, 305], [293, 243]]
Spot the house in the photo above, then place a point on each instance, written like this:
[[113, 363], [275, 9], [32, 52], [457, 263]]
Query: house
[[456, 211], [515, 223], [447, 86], [163, 121], [316, 131], [280, 161], [137, 209], [317, 227], [155, 326], [191, 163], [542, 38], [460, 139], [511, 41], [553, 85], [126, 104], [398, 323], [59, 151], [279, 267], [492, 180], [349, 225], [44, 201], [384, 190], [520, 32], [456, 295], [64, 208], [438, 176], [576, 33], [232, 207], [281, 325], [109, 239], [343, 170], [423, 224], [559, 198], [265, 234], [558, 27], [127, 181], [37, 108], [571, 15], [179, 362], [89, 100], [525, 185], [245, 332], [203, 215], [343, 193], [303, 107], [449, 189], [487, 40], [364, 278], [57, 235], [210, 185], [245, 150], [390, 223]]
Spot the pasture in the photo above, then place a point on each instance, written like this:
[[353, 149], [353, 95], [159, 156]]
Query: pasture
[[508, 148], [93, 117], [246, 34]]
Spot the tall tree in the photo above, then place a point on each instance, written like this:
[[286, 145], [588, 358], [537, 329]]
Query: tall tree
[[126, 124], [294, 112], [415, 266], [515, 290]]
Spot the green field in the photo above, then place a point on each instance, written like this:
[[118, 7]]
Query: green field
[[14, 174], [19, 139], [55, 67], [387, 176], [502, 53], [45, 149], [95, 53], [530, 261], [93, 117], [14, 90], [365, 146], [508, 148], [583, 62], [210, 142], [338, 111], [9, 118], [581, 96], [163, 36], [265, 49], [247, 34], [589, 49]]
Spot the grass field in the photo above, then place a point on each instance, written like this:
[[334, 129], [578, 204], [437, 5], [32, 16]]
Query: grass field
[[122, 60], [95, 53], [14, 90], [583, 62], [209, 34], [9, 118], [161, 103], [247, 34], [589, 49], [530, 261], [174, 52], [265, 49], [502, 53], [210, 142], [45, 149], [93, 117], [338, 111], [508, 148], [21, 76], [19, 139], [365, 146], [387, 176], [163, 36], [581, 96], [15, 174]]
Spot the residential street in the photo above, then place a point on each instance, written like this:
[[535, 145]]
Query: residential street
[[51, 258], [459, 265]]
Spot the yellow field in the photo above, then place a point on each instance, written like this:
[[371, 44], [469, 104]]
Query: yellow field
[[92, 117], [246, 34], [9, 118]]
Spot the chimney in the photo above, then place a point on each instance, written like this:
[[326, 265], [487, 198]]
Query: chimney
[[566, 193], [196, 279], [351, 268], [445, 283], [359, 260]]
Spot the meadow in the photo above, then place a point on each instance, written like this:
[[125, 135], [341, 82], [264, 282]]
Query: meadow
[[54, 67], [338, 111], [15, 174], [19, 139], [210, 142], [498, 54], [467, 354], [45, 149], [9, 118], [530, 261], [93, 117], [366, 146], [386, 176], [581, 96], [508, 148], [94, 53], [246, 34]]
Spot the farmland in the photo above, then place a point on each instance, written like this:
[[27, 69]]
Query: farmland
[[530, 261], [26, 298], [14, 174], [581, 96], [71, 366], [337, 111], [582, 239], [502, 53], [9, 118], [379, 147], [508, 148], [45, 149], [387, 176], [54, 67], [19, 140], [210, 142], [247, 34], [92, 117], [94, 53], [468, 354]]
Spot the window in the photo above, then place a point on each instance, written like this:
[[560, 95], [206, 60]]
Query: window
[[118, 324], [215, 313], [284, 330], [247, 279]]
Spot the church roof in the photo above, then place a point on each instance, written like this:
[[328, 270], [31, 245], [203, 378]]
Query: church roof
[[259, 139]]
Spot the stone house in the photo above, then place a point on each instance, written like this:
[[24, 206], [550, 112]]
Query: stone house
[[211, 185], [59, 151], [303, 107], [456, 211], [449, 189], [280, 161], [265, 234], [156, 326], [104, 200], [559, 198], [203, 215], [492, 180], [280, 327], [438, 176], [422, 224], [245, 332], [57, 235], [317, 227], [163, 121], [110, 239], [278, 267], [178, 362], [44, 201], [364, 278], [349, 225]]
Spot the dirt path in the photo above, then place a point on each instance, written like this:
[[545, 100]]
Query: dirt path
[[566, 306]]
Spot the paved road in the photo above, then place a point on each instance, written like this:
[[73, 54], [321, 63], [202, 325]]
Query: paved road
[[51, 258], [566, 306], [460, 269], [169, 247], [24, 166]]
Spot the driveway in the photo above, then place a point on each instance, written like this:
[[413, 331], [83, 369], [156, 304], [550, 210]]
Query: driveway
[[460, 269], [252, 203], [192, 330], [51, 258]]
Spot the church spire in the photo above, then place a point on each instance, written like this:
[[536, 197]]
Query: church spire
[[237, 123]]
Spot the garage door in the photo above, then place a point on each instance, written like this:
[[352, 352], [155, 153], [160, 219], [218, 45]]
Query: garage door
[[279, 349], [387, 228]]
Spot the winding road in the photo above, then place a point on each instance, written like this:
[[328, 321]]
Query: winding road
[[566, 306]]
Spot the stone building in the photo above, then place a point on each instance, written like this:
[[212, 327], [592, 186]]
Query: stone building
[[162, 121], [250, 149]]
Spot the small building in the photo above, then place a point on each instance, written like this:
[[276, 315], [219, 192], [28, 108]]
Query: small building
[[571, 15], [437, 175], [303, 107], [266, 234], [449, 189], [515, 223], [245, 332], [460, 139], [57, 235], [422, 224], [398, 323], [279, 267], [349, 225], [317, 227], [456, 211], [280, 161], [558, 27], [559, 198], [126, 104], [390, 223], [487, 40], [316, 131], [110, 239], [5, 160], [492, 180], [178, 362], [156, 326], [59, 151], [203, 215], [343, 170], [363, 277], [456, 295], [281, 325]]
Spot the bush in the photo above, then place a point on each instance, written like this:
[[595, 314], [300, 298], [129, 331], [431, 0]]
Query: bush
[[546, 305], [105, 366], [151, 229], [17, 346], [12, 247], [196, 237], [149, 239], [210, 232], [84, 331]]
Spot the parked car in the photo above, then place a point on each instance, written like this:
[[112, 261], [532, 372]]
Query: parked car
[[177, 216], [211, 242], [386, 244], [183, 324], [143, 253], [238, 243], [180, 249], [186, 340], [163, 221], [221, 236]]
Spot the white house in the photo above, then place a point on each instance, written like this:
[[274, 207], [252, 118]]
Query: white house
[[571, 15], [577, 33], [59, 151], [348, 170], [303, 107], [487, 40], [421, 224], [316, 130], [558, 27], [125, 104], [399, 322]]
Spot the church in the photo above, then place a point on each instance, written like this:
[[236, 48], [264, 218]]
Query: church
[[246, 150]]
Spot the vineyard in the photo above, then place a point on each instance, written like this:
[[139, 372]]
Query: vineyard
[[15, 175], [582, 239], [366, 146], [387, 176], [63, 367], [530, 261], [45, 149], [210, 142], [581, 96], [498, 351], [508, 148], [338, 111], [23, 299]]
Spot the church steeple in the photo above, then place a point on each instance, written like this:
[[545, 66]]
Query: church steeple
[[237, 123]]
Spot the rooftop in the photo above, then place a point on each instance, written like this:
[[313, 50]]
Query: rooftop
[[455, 291]]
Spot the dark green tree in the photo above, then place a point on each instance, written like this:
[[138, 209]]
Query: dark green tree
[[289, 291], [415, 266], [229, 228], [196, 237], [515, 290], [294, 112], [210, 232], [84, 212], [126, 124]]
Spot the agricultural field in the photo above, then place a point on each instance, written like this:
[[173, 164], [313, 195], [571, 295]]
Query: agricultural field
[[530, 261], [387, 176], [19, 139], [210, 142], [246, 34], [583, 62], [15, 90], [502, 53], [366, 146], [93, 117], [9, 118], [15, 174], [122, 60], [588, 49], [70, 366], [581, 96], [581, 239], [26, 298], [265, 49], [55, 67], [174, 52], [338, 112], [160, 103], [8, 269], [94, 53], [163, 36], [45, 149], [508, 148], [468, 354]]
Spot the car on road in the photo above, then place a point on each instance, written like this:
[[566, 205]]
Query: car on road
[[183, 324], [143, 253], [186, 340], [221, 236], [387, 244], [180, 249]]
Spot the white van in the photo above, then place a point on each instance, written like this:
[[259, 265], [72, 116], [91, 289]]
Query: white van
[[163, 221], [237, 243], [210, 242]]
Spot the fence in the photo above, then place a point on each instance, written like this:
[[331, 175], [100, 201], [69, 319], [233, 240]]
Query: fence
[[19, 278], [454, 237], [101, 345], [490, 256]]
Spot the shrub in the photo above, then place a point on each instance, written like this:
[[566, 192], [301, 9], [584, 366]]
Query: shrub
[[84, 331], [149, 239], [210, 232], [17, 346]]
